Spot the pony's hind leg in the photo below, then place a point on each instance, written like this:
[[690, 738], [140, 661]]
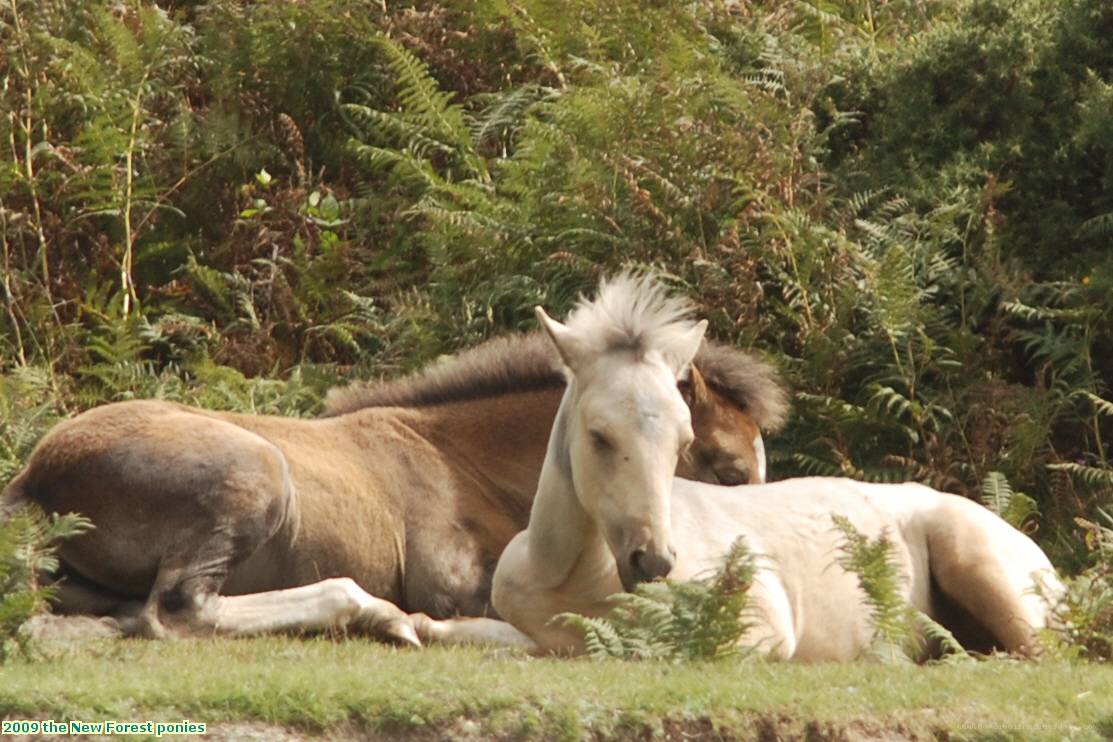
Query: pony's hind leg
[[993, 572], [240, 508], [74, 595], [237, 507], [185, 601]]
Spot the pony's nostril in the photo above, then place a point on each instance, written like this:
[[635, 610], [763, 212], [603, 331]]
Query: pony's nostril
[[636, 558], [649, 566], [733, 474]]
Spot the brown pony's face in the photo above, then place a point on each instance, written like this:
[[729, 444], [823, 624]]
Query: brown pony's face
[[728, 447]]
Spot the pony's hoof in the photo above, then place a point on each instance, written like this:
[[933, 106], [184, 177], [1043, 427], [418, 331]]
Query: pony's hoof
[[426, 628], [402, 631]]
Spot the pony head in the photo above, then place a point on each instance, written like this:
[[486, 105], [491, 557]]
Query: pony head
[[728, 449], [626, 423]]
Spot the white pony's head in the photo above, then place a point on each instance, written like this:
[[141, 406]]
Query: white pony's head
[[626, 423]]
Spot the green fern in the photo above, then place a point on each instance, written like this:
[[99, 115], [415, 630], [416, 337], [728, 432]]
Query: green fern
[[882, 583], [1092, 476], [1040, 313], [901, 632], [939, 639], [428, 123], [1015, 508], [1101, 406], [505, 113], [211, 285], [1099, 226], [27, 549], [668, 620], [1084, 611], [28, 408]]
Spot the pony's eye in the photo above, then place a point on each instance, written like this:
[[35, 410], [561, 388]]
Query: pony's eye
[[600, 441]]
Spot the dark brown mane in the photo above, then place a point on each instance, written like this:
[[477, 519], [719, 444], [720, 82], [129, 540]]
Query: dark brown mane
[[746, 380], [528, 362], [513, 363]]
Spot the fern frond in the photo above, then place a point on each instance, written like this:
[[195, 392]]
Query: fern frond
[[667, 620], [1015, 508], [1102, 406], [433, 109], [997, 493], [947, 646], [816, 467], [897, 634], [1090, 475], [1098, 226], [27, 550], [505, 115], [1030, 313]]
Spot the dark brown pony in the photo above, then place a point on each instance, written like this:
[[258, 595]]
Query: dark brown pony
[[403, 494]]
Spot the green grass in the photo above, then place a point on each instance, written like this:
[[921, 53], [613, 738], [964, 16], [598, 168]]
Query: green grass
[[320, 685]]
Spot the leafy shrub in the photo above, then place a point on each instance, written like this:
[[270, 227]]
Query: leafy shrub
[[1013, 94], [1085, 610], [28, 408], [27, 546], [699, 619]]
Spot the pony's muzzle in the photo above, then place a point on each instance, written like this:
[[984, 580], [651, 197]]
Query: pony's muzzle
[[732, 472], [647, 564]]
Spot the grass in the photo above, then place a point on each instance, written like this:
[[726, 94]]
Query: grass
[[324, 686]]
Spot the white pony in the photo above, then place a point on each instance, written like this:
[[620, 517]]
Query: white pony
[[608, 514]]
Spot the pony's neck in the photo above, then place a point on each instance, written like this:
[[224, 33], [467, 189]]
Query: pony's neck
[[499, 440], [561, 534]]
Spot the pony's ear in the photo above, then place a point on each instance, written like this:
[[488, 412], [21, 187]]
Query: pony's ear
[[680, 352], [573, 350], [692, 386]]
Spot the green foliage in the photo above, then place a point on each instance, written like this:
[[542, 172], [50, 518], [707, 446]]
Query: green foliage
[[1085, 609], [701, 619], [27, 545], [973, 99], [999, 496], [879, 576], [428, 125], [27, 411], [901, 632]]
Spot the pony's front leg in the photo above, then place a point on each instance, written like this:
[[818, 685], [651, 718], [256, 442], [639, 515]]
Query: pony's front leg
[[532, 610], [480, 631], [333, 603]]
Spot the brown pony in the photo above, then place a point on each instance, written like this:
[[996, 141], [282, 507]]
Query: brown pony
[[407, 491]]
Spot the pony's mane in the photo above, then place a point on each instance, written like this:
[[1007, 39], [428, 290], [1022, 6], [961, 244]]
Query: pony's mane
[[513, 363], [529, 362], [631, 312], [746, 380]]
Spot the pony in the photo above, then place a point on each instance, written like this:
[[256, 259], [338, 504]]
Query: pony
[[399, 498], [608, 514]]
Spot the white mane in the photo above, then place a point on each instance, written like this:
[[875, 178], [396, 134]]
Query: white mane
[[630, 312]]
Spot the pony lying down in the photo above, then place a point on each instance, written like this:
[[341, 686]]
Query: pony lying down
[[609, 514]]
